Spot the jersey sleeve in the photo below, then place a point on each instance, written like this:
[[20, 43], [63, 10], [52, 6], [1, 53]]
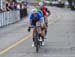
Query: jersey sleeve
[[40, 17], [30, 18]]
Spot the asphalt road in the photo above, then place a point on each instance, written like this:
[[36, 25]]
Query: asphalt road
[[60, 40]]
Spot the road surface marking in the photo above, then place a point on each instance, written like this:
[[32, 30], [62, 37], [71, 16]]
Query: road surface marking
[[21, 41], [16, 44]]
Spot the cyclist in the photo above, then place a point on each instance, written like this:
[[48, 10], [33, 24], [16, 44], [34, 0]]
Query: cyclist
[[43, 29], [35, 17], [45, 11]]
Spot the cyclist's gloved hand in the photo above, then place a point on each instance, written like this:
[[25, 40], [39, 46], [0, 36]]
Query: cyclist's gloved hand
[[29, 29]]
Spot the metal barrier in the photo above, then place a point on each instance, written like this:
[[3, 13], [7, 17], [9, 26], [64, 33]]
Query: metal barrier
[[9, 17], [0, 19]]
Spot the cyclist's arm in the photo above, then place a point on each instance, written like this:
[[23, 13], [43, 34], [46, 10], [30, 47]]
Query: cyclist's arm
[[40, 13], [41, 18], [30, 20], [48, 11]]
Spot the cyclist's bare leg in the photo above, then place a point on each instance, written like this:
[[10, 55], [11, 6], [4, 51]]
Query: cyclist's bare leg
[[43, 34], [33, 34], [46, 21], [46, 25]]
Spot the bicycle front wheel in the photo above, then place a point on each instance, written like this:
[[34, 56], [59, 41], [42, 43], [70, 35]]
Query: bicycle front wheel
[[37, 43]]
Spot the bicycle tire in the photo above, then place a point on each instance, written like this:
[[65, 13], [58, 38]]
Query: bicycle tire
[[37, 48], [37, 42]]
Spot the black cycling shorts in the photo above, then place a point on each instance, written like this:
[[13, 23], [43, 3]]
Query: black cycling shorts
[[34, 22]]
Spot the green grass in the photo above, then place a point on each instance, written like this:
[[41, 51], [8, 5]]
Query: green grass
[[38, 1]]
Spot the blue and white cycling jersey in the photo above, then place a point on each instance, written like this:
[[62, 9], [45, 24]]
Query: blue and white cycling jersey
[[39, 16], [41, 13]]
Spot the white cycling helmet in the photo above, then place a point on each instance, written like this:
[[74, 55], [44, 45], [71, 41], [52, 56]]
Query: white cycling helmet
[[41, 4], [34, 10]]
